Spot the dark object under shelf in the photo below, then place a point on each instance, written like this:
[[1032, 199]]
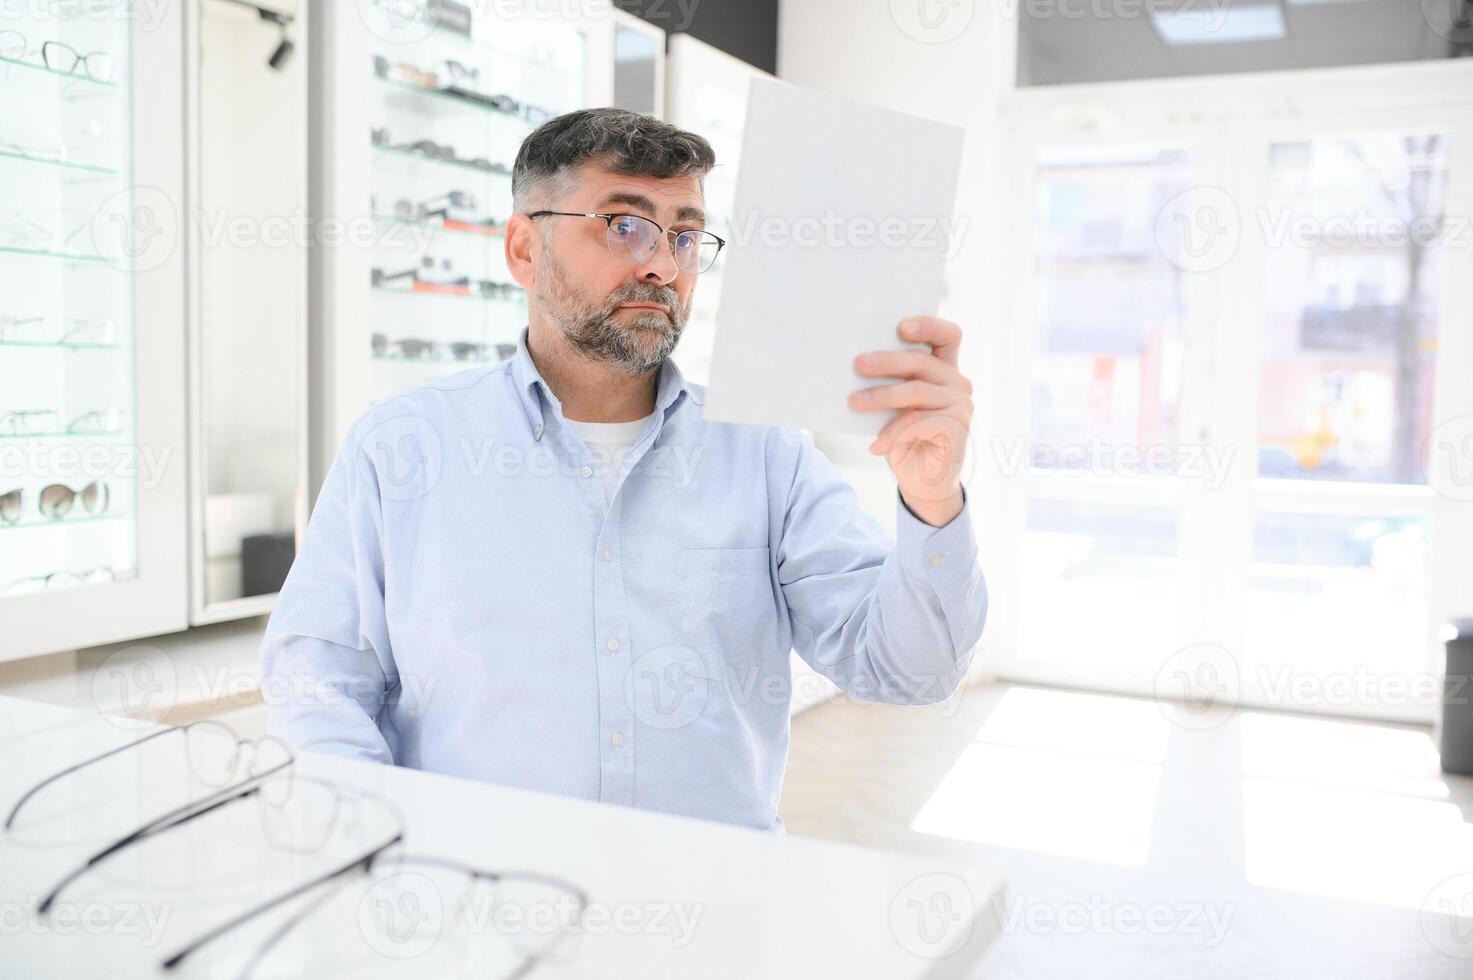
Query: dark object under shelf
[[264, 561], [1457, 701]]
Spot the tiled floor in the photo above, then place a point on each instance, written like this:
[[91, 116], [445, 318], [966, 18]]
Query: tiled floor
[[1140, 842]]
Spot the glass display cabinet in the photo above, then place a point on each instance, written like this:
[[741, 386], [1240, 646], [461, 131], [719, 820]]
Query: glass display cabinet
[[92, 443], [419, 111], [450, 108]]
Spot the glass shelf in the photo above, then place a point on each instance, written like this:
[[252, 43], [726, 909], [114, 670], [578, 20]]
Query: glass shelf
[[34, 66], [464, 42], [34, 78], [396, 152], [443, 98], [57, 345], [59, 164], [62, 522], [476, 297], [46, 253], [64, 435], [490, 233], [438, 359]]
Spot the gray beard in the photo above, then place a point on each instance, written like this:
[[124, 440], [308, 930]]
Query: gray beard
[[595, 330]]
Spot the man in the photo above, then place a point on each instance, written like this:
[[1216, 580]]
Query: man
[[554, 574]]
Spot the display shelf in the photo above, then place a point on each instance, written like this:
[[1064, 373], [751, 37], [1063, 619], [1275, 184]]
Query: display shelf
[[439, 101], [19, 77], [40, 161], [57, 345], [485, 232], [61, 522], [437, 359], [47, 253], [463, 297], [394, 152]]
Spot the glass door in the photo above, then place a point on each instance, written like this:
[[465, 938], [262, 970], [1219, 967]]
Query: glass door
[[1354, 238], [1236, 459], [1104, 449], [90, 303]]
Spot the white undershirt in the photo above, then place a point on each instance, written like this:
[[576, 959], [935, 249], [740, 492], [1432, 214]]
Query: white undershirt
[[610, 442]]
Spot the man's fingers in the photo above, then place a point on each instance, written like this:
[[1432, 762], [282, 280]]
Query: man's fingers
[[909, 394], [920, 424], [944, 336], [917, 364]]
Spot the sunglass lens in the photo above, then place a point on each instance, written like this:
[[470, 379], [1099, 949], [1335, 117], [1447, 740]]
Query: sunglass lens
[[94, 497], [56, 500]]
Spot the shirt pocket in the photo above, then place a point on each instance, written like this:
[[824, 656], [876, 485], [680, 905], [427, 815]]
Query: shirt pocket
[[725, 608]]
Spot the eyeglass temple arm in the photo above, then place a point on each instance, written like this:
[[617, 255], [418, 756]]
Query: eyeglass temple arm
[[365, 862], [80, 765], [168, 821], [281, 931], [297, 917]]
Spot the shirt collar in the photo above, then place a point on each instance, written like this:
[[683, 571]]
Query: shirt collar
[[535, 393]]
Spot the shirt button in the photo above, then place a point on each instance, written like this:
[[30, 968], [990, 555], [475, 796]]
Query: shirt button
[[613, 643], [936, 558], [616, 739], [608, 555], [537, 429], [586, 471]]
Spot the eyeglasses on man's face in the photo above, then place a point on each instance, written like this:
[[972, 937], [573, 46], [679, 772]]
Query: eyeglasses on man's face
[[636, 238]]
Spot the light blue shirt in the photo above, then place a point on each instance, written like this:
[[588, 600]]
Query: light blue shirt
[[468, 600]]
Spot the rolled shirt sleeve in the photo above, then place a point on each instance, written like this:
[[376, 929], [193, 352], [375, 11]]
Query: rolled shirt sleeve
[[326, 664], [893, 620]]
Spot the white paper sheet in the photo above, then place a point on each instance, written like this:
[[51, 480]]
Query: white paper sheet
[[842, 224]]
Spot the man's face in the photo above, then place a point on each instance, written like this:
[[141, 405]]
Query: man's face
[[628, 314]]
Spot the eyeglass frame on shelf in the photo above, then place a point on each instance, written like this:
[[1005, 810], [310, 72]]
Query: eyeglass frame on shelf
[[79, 58]]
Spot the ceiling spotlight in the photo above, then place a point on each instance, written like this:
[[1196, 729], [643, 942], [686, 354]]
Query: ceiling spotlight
[[284, 48], [283, 52]]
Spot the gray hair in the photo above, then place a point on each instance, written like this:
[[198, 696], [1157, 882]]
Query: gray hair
[[620, 141]]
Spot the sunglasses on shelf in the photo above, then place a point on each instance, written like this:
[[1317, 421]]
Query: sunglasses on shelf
[[56, 501]]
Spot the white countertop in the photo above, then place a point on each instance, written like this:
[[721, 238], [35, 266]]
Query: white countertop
[[755, 904]]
